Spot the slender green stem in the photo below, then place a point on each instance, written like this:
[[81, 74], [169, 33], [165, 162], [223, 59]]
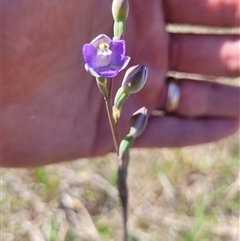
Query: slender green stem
[[112, 123], [110, 87], [123, 189], [122, 160]]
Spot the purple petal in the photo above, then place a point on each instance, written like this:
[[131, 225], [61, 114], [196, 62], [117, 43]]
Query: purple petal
[[99, 39], [108, 72], [113, 70], [124, 62], [118, 51], [93, 72], [89, 55]]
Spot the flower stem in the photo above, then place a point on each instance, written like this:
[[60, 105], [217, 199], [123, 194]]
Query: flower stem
[[122, 159], [112, 123], [123, 189]]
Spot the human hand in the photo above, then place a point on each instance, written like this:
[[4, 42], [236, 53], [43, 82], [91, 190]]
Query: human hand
[[52, 110]]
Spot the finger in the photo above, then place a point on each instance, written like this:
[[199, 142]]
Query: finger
[[205, 54], [206, 99], [177, 132], [203, 12]]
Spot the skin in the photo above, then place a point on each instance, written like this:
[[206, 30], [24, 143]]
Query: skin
[[52, 110]]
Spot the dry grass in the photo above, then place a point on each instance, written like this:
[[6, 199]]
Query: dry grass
[[175, 195]]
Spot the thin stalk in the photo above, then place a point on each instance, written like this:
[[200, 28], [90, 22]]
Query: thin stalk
[[112, 123], [122, 160], [123, 190], [110, 87]]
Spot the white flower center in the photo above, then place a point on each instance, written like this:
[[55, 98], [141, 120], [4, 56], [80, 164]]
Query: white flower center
[[104, 54]]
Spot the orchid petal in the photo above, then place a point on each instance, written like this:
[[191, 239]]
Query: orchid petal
[[93, 72], [108, 72], [125, 62], [99, 39], [105, 57], [118, 51], [89, 55]]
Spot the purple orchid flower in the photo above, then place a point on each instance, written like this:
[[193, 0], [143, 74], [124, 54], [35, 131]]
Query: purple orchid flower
[[105, 57]]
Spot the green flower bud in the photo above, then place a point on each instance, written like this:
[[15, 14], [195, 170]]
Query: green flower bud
[[135, 78], [120, 9], [138, 123]]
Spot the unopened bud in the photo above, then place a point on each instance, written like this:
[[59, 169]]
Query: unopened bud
[[135, 78], [138, 123], [120, 9]]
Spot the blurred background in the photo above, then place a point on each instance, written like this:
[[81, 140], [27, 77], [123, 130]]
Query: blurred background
[[182, 194]]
